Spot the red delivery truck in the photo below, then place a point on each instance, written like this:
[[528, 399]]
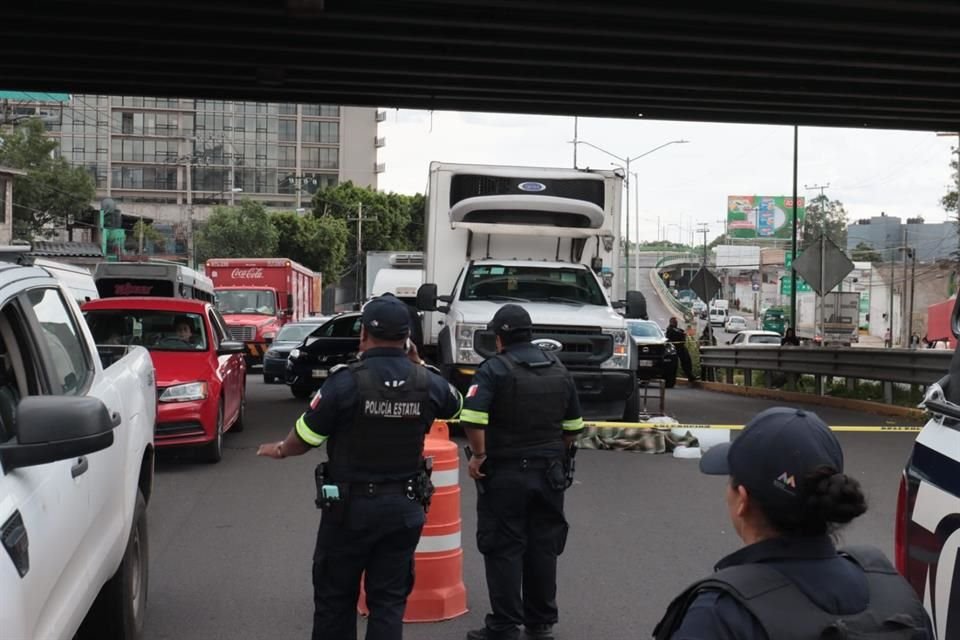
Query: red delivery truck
[[257, 296]]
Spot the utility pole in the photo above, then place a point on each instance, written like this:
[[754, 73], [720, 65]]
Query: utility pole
[[904, 336], [913, 284], [359, 220], [793, 234], [704, 228], [893, 268], [576, 125]]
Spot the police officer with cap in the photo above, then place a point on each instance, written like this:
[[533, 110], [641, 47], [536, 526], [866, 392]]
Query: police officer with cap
[[787, 494], [373, 415], [522, 417]]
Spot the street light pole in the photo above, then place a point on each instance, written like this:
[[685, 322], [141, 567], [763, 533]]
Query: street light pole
[[626, 162]]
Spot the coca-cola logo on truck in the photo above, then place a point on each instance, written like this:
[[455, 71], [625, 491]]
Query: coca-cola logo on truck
[[251, 273]]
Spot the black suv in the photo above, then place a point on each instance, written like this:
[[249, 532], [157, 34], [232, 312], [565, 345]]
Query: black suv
[[655, 356]]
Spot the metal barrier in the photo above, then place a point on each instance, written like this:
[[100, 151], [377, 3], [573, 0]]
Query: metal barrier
[[889, 366]]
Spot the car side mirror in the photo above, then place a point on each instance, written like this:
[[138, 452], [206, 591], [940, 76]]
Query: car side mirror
[[427, 297], [61, 427], [619, 304], [230, 347]]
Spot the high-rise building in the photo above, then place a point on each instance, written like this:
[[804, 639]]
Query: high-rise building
[[170, 160]]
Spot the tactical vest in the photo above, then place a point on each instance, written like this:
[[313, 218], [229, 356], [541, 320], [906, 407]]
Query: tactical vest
[[385, 439], [786, 613], [529, 406]]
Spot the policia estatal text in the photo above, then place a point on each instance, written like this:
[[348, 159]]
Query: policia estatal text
[[522, 418], [374, 415]]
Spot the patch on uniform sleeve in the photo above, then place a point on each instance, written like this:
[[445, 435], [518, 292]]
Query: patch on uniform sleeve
[[472, 391], [316, 400]]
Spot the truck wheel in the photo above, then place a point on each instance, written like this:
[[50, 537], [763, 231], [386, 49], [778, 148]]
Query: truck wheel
[[214, 450], [238, 425], [631, 412], [636, 305], [301, 393], [119, 610]]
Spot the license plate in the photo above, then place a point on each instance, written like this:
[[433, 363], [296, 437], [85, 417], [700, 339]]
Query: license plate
[[645, 363], [320, 373]]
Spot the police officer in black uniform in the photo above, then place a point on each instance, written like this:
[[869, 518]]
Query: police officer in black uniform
[[678, 337], [786, 495], [522, 417], [374, 415]]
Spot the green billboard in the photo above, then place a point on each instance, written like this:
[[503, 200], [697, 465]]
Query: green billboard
[[753, 217]]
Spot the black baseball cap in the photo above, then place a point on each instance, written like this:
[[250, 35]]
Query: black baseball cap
[[775, 452], [510, 318], [386, 317]]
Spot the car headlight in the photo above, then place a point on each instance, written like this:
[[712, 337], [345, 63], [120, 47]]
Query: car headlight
[[294, 354], [185, 392], [670, 348], [621, 349], [464, 334]]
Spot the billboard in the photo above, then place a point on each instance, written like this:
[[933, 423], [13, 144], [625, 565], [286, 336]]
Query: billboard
[[753, 217]]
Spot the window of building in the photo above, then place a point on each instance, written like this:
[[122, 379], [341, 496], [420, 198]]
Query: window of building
[[321, 132], [126, 122], [288, 130], [287, 109], [321, 158]]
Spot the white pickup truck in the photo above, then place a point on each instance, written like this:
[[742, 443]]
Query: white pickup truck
[[76, 469]]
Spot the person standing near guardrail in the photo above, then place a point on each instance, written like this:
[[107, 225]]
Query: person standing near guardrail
[[790, 338], [678, 338], [786, 495], [522, 417]]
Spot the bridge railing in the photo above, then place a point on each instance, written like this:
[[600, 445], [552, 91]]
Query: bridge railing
[[887, 366]]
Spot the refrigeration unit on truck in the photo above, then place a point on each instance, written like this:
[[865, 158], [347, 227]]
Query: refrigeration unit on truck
[[546, 239], [257, 296], [396, 272]]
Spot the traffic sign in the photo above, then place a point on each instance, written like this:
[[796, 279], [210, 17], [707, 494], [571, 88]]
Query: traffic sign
[[705, 284], [824, 265], [786, 281], [756, 286]]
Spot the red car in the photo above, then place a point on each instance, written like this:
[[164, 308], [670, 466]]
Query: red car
[[201, 374]]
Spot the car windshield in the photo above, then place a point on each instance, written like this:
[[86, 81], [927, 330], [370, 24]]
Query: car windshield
[[155, 330], [774, 315], [518, 283], [644, 330], [252, 301], [764, 340], [295, 332]]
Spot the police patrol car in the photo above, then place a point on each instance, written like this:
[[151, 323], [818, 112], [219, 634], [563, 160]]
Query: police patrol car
[[928, 506]]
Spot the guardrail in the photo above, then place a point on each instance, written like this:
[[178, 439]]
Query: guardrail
[[888, 366]]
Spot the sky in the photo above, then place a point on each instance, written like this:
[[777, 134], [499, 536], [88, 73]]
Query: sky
[[901, 173]]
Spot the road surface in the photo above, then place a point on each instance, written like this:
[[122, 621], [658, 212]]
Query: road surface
[[231, 544]]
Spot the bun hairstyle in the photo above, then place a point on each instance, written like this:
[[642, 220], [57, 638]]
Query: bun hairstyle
[[829, 501]]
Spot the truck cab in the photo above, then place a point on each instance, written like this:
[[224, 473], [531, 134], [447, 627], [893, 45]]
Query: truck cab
[[927, 541], [541, 238]]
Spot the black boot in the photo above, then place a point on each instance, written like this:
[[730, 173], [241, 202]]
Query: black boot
[[487, 634], [539, 631]]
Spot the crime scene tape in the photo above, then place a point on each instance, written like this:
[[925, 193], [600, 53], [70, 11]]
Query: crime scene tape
[[739, 427], [898, 428]]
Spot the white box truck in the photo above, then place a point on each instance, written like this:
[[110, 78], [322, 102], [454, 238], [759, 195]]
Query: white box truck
[[547, 239]]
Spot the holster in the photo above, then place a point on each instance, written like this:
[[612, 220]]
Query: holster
[[421, 487], [570, 465], [334, 511]]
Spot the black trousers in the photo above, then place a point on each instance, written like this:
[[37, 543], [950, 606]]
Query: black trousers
[[685, 363], [381, 541], [521, 530]]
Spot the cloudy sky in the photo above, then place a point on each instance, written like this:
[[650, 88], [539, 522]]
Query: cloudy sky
[[901, 173]]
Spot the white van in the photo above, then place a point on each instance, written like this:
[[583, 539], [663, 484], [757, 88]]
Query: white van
[[718, 317], [78, 280]]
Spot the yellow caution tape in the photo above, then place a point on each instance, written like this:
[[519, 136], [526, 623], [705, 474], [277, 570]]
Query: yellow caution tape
[[738, 427], [898, 428]]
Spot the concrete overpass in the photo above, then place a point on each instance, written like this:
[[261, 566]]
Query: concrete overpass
[[852, 63]]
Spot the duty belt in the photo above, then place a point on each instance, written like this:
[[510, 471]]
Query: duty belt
[[522, 463], [372, 489]]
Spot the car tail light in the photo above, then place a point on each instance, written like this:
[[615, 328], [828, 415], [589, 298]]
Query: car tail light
[[900, 531]]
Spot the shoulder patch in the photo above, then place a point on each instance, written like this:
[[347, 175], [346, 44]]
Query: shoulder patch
[[472, 391], [316, 400]]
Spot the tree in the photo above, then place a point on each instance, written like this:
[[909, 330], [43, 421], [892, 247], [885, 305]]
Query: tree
[[318, 243], [243, 231], [949, 201], [391, 221], [52, 191], [865, 253], [150, 235], [827, 216]]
